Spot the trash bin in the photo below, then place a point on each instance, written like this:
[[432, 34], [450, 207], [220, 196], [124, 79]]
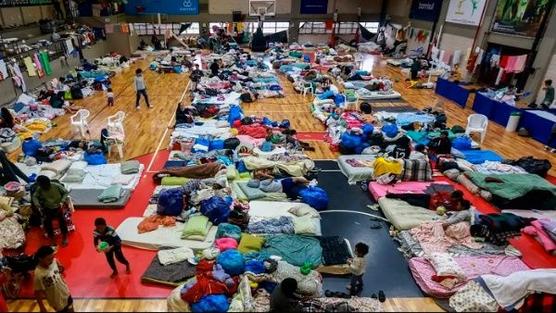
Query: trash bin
[[513, 122]]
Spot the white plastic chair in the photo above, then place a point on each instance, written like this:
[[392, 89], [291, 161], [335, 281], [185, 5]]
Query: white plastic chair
[[350, 105], [79, 122], [116, 133], [307, 89], [477, 123]]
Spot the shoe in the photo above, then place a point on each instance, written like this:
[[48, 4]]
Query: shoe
[[381, 296], [553, 150], [114, 275], [546, 148], [374, 296]]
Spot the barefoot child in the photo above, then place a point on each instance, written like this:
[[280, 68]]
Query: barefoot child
[[105, 233], [110, 96]]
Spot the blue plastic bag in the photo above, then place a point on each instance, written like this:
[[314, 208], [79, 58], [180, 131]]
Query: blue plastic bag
[[285, 123], [201, 145], [216, 144], [327, 94], [235, 114], [316, 197], [339, 99], [255, 266], [351, 141], [368, 129], [232, 262], [390, 130], [211, 303], [462, 143], [95, 158], [217, 209], [170, 202], [31, 146]]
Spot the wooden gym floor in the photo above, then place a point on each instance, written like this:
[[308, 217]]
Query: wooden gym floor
[[147, 129]]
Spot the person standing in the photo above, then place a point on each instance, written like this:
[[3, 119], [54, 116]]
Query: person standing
[[141, 88], [51, 197], [214, 67], [195, 77], [49, 283], [548, 95]]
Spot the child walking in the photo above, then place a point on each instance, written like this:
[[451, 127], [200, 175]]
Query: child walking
[[357, 267], [49, 283], [105, 233], [110, 96]]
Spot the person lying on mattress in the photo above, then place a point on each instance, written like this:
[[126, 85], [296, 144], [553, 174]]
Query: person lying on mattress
[[441, 144], [267, 182], [207, 170]]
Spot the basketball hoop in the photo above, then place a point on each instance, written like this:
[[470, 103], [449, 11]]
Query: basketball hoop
[[262, 8]]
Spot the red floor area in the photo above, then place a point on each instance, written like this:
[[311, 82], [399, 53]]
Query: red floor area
[[313, 136], [533, 253], [87, 272]]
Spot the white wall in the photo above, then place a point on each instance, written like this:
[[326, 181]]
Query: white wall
[[227, 6]]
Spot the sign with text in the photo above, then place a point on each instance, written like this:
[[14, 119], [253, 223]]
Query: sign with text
[[19, 3], [171, 7], [466, 12], [314, 7], [426, 10]]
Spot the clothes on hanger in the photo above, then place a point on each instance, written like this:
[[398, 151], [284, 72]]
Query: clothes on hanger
[[45, 62], [17, 77], [38, 65]]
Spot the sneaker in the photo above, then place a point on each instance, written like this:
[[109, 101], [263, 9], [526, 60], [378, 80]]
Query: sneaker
[[381, 296], [546, 148]]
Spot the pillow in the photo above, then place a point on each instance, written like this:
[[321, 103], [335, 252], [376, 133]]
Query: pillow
[[196, 227], [304, 225], [74, 176], [303, 210], [78, 165], [173, 181], [48, 173], [446, 267], [250, 243], [251, 193], [130, 167]]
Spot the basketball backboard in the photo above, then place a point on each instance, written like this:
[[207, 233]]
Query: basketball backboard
[[262, 8]]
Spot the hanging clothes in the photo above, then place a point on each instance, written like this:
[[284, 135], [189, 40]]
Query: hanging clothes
[[519, 64], [124, 28], [499, 76], [3, 70], [31, 71], [38, 65], [446, 57], [17, 77], [434, 53], [456, 59], [45, 62], [441, 56], [69, 46], [510, 66]]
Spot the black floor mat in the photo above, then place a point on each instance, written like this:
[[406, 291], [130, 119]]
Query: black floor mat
[[327, 165], [387, 270]]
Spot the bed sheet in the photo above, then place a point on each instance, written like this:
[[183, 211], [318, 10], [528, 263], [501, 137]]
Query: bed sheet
[[355, 174], [378, 190], [473, 266], [102, 176], [364, 94], [162, 237], [274, 209], [403, 215]]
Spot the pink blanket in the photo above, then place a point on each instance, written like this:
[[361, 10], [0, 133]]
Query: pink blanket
[[379, 191], [473, 267]]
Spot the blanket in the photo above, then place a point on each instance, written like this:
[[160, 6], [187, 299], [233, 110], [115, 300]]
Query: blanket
[[512, 185], [294, 249], [130, 167], [293, 168], [197, 171], [509, 291], [111, 194], [171, 274]]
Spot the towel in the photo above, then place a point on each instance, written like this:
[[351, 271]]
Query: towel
[[29, 66], [130, 167], [45, 62], [38, 65], [519, 64], [3, 70], [110, 194]]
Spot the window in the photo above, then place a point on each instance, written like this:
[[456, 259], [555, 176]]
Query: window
[[143, 29], [313, 28], [347, 27], [274, 27], [192, 30], [371, 26]]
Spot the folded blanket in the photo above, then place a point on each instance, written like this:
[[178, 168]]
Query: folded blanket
[[74, 176], [110, 194], [177, 255], [196, 228], [130, 167], [58, 166]]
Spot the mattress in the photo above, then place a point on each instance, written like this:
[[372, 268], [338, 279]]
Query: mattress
[[274, 209], [403, 215], [472, 266], [538, 214], [87, 198], [162, 237], [378, 190], [355, 174], [377, 95], [102, 176], [170, 275]]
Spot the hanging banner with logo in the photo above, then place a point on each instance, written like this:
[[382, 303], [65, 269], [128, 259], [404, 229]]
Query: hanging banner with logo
[[467, 12], [426, 10], [172, 7], [520, 17], [314, 7]]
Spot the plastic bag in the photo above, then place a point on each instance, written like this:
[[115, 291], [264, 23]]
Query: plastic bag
[[316, 197], [217, 209], [170, 202]]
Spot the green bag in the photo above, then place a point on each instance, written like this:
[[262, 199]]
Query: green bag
[[67, 95]]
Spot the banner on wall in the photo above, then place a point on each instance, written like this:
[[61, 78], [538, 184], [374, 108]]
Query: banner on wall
[[172, 7], [466, 12], [314, 7], [520, 17], [426, 10]]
